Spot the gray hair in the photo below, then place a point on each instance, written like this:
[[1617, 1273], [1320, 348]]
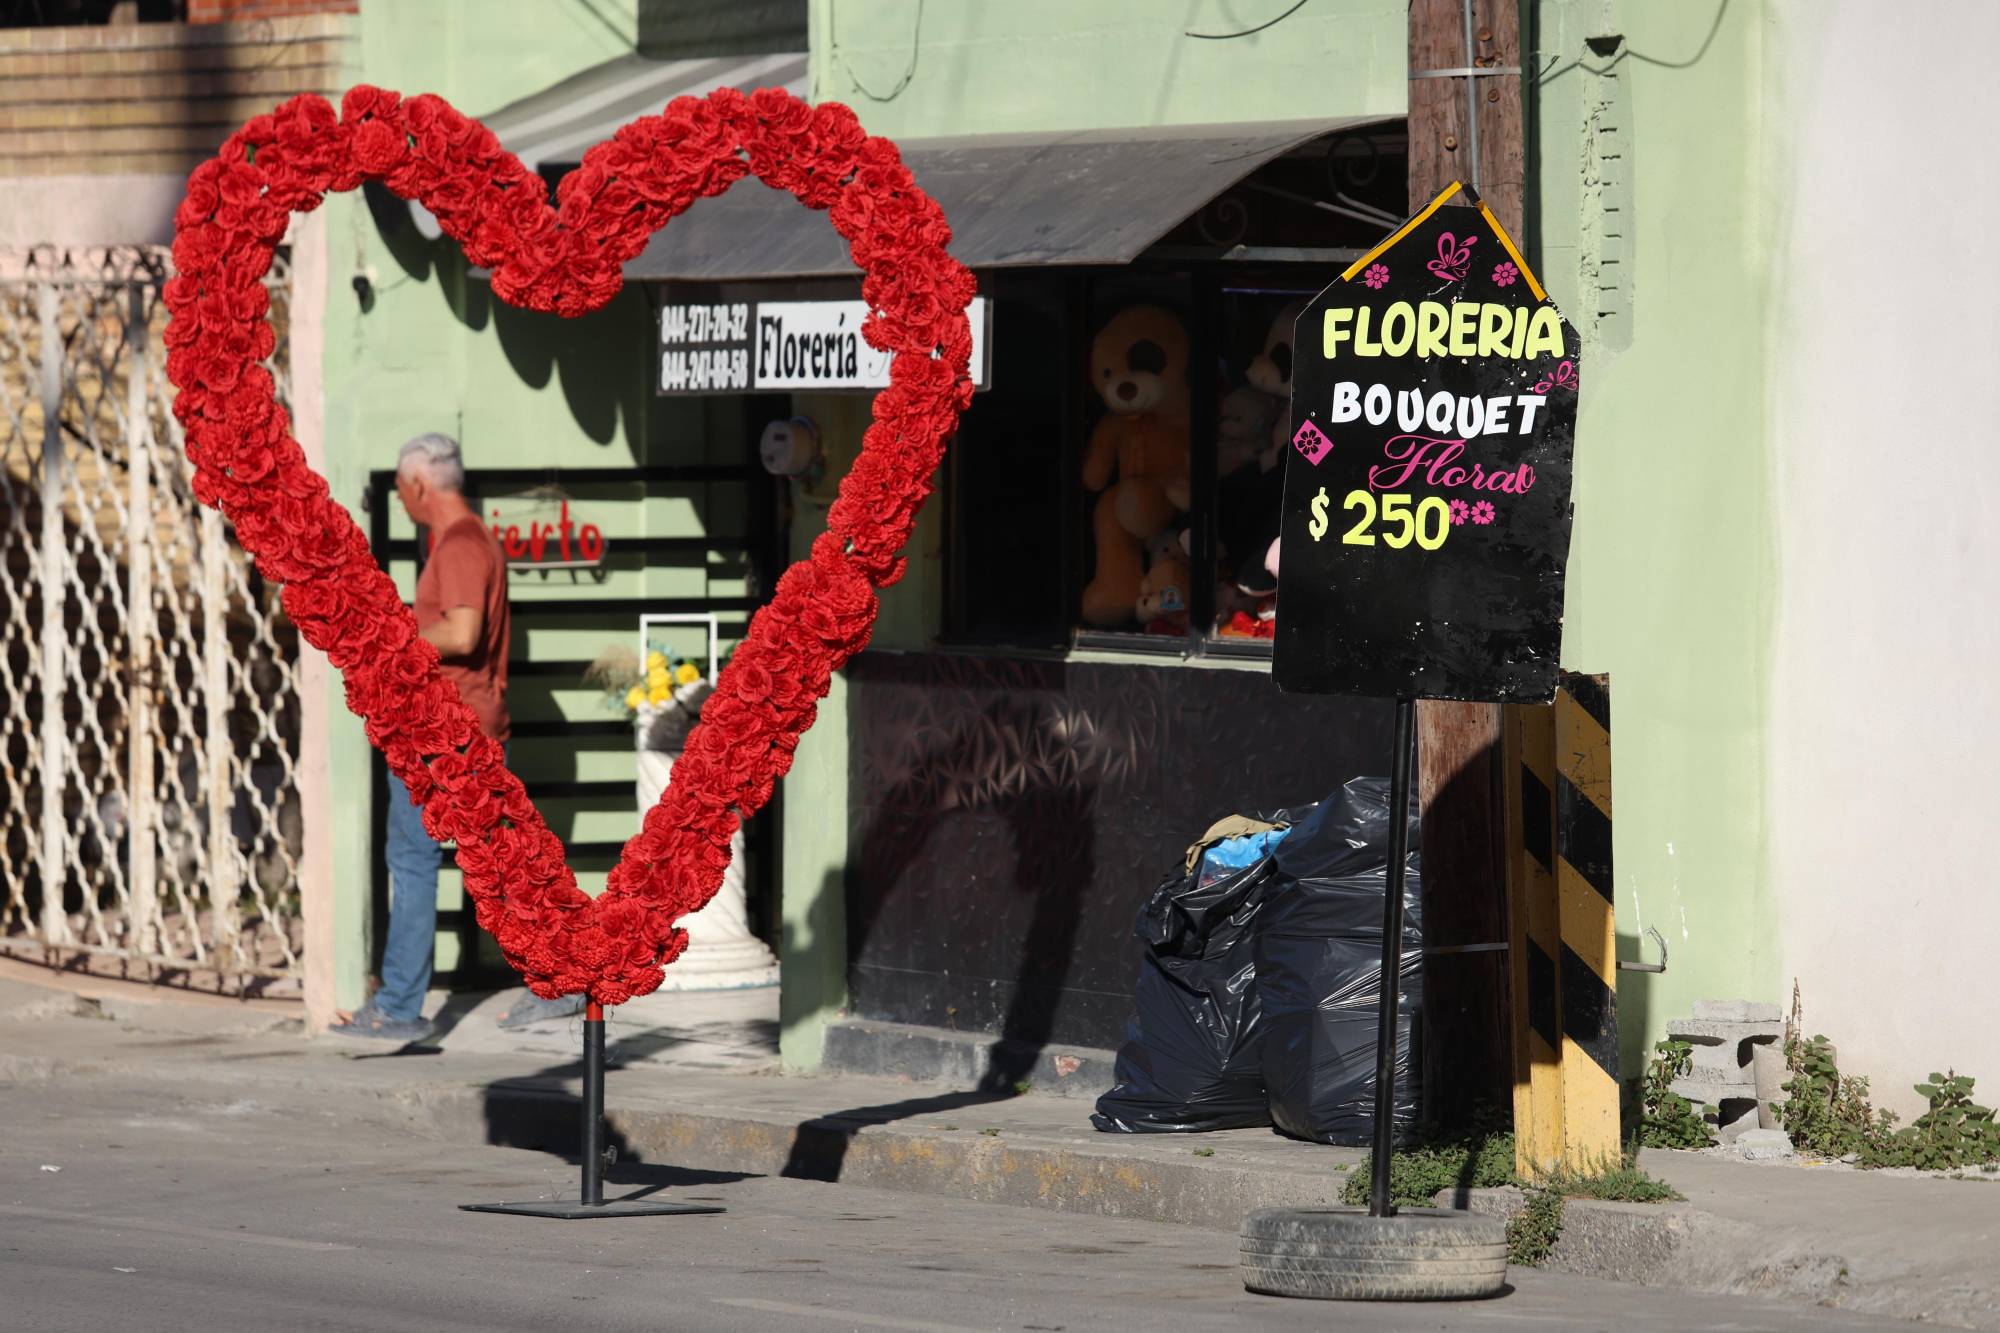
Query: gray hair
[[437, 455]]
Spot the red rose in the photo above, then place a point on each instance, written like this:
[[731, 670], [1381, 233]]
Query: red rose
[[364, 100], [379, 147]]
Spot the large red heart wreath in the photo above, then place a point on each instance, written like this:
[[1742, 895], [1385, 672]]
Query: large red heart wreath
[[568, 260]]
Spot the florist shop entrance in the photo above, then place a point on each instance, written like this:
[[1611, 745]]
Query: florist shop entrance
[[1089, 687]]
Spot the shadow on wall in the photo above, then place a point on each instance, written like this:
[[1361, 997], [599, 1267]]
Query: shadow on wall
[[600, 360], [1053, 871], [814, 950], [1635, 1009], [1052, 828]]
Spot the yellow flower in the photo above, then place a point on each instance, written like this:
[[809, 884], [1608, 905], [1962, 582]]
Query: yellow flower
[[661, 694], [634, 697], [656, 660], [658, 678], [688, 674]]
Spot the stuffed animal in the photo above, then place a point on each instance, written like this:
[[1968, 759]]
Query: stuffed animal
[[1271, 371], [1256, 584], [1163, 593], [1243, 427], [1138, 454]]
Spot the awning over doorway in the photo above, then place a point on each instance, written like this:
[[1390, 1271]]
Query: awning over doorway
[[1014, 200], [557, 124]]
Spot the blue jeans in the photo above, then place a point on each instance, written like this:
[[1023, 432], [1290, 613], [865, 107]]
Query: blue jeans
[[407, 954]]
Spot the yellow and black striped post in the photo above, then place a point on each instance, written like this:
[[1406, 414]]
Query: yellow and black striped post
[[1558, 810]]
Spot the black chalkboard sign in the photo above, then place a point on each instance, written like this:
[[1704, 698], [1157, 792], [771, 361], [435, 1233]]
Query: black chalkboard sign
[[1427, 497]]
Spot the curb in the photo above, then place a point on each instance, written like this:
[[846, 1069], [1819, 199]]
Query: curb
[[1673, 1245], [932, 1055], [963, 1164], [1654, 1245]]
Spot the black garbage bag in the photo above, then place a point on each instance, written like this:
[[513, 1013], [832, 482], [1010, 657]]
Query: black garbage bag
[[1190, 1059], [1318, 947]]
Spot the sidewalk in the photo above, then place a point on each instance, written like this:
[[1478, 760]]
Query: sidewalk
[[694, 1083]]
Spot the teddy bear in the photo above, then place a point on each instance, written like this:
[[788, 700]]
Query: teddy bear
[[1243, 427], [1271, 371], [1137, 458], [1163, 592]]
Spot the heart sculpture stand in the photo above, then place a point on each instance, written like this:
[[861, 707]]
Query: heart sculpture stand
[[596, 1157], [567, 260]]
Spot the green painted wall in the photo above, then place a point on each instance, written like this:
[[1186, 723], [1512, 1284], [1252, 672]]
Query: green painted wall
[[1022, 65], [1653, 208], [431, 350]]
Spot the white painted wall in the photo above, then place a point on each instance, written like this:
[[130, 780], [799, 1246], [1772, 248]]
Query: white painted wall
[[1884, 759], [79, 211]]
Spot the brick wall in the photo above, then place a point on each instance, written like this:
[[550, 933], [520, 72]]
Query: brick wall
[[156, 98], [237, 11]]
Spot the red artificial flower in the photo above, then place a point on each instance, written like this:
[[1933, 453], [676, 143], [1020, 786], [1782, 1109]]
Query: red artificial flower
[[567, 260]]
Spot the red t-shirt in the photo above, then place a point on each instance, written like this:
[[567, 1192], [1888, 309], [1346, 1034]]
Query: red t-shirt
[[466, 568]]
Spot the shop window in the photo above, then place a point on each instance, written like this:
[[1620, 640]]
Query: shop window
[[1253, 367], [1118, 487]]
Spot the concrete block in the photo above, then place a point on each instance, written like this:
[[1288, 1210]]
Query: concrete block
[[1736, 1116], [1705, 1031], [1712, 1086], [1737, 1011], [1731, 1058], [1768, 1070], [1764, 1145]]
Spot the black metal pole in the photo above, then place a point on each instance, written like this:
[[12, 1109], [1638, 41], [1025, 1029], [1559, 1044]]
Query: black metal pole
[[1392, 958], [593, 1105]]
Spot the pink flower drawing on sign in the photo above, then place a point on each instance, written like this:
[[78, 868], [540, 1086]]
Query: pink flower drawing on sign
[[1312, 442], [1376, 277], [1504, 275], [1562, 377], [1460, 511], [1454, 257], [1482, 512]]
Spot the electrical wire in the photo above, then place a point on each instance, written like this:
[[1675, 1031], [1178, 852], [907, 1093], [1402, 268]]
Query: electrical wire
[[916, 46], [1554, 70], [1247, 32]]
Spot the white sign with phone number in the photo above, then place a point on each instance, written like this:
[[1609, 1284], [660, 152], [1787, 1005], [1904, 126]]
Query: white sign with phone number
[[749, 347]]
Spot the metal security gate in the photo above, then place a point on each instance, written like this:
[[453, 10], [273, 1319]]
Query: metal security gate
[[149, 718]]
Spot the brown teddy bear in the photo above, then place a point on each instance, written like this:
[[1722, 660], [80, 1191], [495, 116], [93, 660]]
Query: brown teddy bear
[[1163, 593], [1138, 454]]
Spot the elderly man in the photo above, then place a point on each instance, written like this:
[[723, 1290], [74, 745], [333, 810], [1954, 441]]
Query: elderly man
[[462, 609]]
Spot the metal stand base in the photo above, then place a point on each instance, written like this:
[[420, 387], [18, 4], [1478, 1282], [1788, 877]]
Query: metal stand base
[[576, 1212], [595, 1156]]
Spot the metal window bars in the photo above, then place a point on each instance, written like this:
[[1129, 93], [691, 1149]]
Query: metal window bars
[[149, 718]]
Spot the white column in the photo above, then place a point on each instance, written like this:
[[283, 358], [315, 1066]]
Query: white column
[[323, 944], [221, 798], [55, 600], [141, 624], [722, 954]]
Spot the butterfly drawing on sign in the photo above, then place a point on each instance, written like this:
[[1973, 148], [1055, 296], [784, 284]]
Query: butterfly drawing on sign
[[1562, 377], [1454, 257]]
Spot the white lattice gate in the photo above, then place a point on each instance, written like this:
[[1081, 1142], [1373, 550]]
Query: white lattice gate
[[149, 719]]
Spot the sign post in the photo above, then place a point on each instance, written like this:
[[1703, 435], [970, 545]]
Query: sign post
[[1427, 513]]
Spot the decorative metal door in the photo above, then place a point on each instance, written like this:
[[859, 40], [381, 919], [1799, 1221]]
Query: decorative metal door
[[149, 720]]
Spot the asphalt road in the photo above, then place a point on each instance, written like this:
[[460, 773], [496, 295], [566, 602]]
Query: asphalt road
[[177, 1211]]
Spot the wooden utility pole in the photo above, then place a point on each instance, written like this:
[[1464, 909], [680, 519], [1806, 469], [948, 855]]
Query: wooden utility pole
[[1467, 1061]]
